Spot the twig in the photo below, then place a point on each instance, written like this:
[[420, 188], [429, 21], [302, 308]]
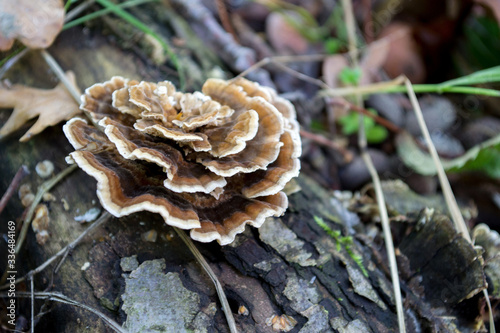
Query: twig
[[60, 75], [250, 38], [282, 59], [319, 139], [301, 76], [58, 71], [208, 29], [213, 277], [14, 184], [77, 10], [68, 248], [490, 311], [12, 61], [443, 180], [58, 297], [362, 142], [224, 18], [378, 119], [41, 191], [32, 296], [27, 221]]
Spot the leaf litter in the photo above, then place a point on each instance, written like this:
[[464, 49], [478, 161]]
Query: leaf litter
[[51, 106], [35, 23]]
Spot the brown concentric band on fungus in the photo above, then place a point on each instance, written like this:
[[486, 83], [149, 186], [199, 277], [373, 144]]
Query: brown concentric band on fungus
[[211, 162]]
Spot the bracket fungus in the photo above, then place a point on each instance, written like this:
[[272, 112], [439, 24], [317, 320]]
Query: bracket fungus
[[210, 161]]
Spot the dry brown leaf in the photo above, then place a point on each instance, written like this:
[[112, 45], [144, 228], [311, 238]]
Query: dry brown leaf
[[374, 57], [284, 38], [332, 66], [404, 54], [52, 106], [35, 23]]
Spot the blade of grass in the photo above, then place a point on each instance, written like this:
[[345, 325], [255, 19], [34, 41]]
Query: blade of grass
[[451, 202], [60, 75], [449, 197], [117, 10], [67, 4], [104, 11], [77, 10], [11, 59], [362, 143], [489, 75], [394, 87], [218, 287]]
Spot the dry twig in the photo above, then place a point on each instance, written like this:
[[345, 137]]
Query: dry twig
[[64, 251], [362, 142], [45, 187], [220, 291], [224, 18], [449, 197], [319, 139], [378, 119], [58, 297], [14, 184]]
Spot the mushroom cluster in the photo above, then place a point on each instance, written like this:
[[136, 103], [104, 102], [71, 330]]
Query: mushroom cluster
[[209, 161]]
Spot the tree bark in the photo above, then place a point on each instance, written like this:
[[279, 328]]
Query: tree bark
[[288, 275]]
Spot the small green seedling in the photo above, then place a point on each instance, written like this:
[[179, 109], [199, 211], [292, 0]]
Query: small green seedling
[[374, 132], [342, 242]]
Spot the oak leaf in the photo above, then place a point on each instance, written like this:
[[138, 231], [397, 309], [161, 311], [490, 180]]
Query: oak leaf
[[51, 106], [35, 23]]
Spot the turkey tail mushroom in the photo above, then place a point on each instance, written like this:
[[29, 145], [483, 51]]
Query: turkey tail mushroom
[[210, 161]]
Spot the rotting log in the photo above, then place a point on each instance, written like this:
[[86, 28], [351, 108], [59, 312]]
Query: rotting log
[[289, 274]]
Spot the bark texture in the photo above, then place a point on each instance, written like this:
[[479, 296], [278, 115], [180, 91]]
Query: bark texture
[[289, 275]]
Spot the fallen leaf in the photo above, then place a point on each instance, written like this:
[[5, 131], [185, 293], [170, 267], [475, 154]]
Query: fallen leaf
[[332, 66], [404, 54], [374, 57], [485, 157], [283, 36], [35, 23], [52, 106]]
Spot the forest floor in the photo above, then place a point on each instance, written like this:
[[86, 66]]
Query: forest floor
[[349, 68]]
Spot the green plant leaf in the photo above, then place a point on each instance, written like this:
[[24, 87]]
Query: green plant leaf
[[332, 45], [479, 45], [350, 122], [484, 157], [317, 125], [350, 76], [342, 241], [376, 134], [102, 12]]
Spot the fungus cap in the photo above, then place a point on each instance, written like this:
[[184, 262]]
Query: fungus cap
[[210, 161]]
